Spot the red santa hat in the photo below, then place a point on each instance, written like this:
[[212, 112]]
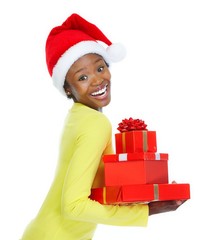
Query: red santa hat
[[73, 39]]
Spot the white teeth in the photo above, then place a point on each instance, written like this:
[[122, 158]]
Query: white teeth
[[99, 92]]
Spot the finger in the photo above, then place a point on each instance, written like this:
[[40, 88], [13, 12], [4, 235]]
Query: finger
[[179, 202]]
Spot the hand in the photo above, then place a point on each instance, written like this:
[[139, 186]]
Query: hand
[[164, 206]]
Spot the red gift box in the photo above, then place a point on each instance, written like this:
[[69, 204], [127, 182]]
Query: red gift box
[[136, 141], [135, 172], [135, 156], [142, 193]]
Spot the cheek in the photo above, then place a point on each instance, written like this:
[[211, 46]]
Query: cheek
[[75, 92], [78, 91], [108, 75]]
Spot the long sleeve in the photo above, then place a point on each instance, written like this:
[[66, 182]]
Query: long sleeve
[[92, 138]]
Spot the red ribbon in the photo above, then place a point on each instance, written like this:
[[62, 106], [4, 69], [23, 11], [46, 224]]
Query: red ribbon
[[131, 125]]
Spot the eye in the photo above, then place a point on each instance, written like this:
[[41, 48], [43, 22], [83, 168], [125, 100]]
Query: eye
[[100, 69], [82, 78]]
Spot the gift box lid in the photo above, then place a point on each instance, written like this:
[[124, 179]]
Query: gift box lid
[[135, 156], [141, 193]]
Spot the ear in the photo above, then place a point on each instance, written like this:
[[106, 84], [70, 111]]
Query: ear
[[68, 92], [67, 89]]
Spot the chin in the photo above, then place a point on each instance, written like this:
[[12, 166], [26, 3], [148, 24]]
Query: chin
[[107, 103]]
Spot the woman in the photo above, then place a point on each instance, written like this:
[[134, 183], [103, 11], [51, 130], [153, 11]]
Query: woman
[[79, 66]]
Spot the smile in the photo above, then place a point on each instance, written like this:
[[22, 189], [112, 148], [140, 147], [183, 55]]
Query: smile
[[100, 92]]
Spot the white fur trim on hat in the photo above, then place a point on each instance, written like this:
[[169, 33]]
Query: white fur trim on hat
[[116, 52], [71, 55]]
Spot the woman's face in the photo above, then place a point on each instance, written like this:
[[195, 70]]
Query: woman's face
[[89, 81]]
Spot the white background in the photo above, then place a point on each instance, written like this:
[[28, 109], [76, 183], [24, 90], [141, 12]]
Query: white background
[[167, 80]]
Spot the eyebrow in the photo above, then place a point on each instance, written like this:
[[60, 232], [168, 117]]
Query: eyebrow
[[97, 60]]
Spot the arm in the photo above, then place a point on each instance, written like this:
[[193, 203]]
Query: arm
[[83, 165]]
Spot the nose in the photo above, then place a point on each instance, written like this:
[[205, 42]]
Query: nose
[[97, 80]]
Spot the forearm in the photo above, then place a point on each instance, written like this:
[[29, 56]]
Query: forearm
[[92, 211]]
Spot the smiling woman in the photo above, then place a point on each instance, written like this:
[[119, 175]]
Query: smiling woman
[[78, 65]]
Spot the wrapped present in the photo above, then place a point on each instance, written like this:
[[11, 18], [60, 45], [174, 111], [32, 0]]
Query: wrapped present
[[141, 193], [135, 141], [135, 172], [135, 156], [134, 137]]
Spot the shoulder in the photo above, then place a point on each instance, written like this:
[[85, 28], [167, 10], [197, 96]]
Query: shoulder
[[87, 118], [97, 121]]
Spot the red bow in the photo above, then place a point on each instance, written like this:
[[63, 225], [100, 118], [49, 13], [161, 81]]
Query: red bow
[[131, 125]]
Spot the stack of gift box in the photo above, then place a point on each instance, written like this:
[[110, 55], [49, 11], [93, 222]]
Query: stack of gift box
[[137, 173]]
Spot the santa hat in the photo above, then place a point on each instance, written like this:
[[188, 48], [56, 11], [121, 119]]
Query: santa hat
[[73, 39]]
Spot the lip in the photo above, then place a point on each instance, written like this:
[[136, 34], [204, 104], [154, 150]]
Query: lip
[[100, 92]]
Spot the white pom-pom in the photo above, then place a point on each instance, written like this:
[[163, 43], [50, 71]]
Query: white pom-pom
[[116, 52]]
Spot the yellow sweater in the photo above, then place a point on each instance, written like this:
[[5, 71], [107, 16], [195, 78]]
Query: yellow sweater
[[67, 212]]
